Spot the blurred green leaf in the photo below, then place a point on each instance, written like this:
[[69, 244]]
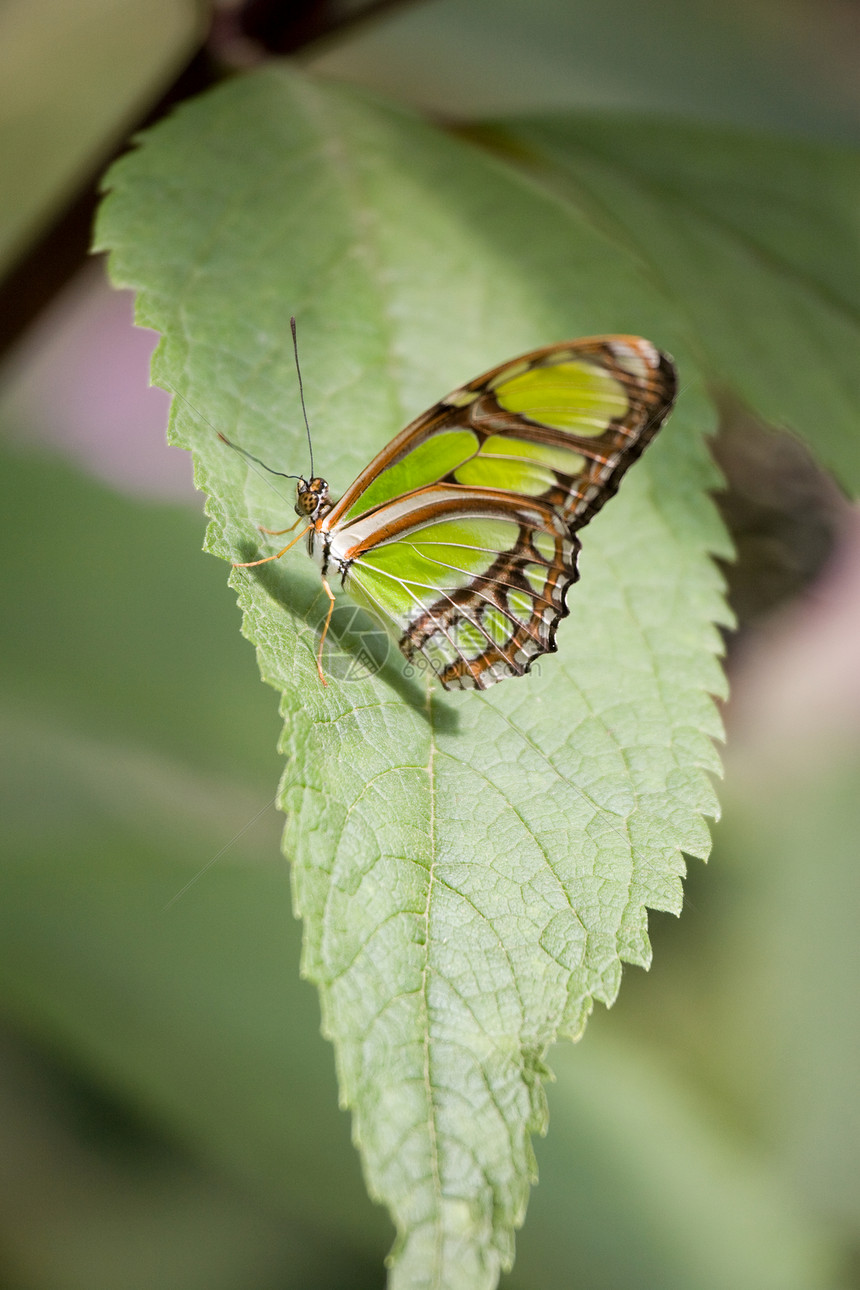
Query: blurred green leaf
[[645, 1182], [184, 999], [763, 63], [790, 852], [187, 998], [101, 1197], [755, 240], [72, 80], [472, 870], [118, 632]]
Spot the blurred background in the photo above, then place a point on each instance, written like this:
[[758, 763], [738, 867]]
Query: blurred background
[[168, 1110]]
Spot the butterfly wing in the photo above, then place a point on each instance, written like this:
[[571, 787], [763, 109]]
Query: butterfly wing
[[471, 579], [461, 533]]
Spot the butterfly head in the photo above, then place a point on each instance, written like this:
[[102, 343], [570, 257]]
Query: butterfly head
[[312, 500]]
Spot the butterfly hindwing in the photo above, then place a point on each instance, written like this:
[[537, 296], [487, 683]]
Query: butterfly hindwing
[[466, 578], [461, 533]]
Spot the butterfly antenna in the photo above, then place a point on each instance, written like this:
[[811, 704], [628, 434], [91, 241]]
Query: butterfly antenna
[[224, 438], [251, 457], [302, 393]]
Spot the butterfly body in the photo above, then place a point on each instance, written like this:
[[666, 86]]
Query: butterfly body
[[461, 534]]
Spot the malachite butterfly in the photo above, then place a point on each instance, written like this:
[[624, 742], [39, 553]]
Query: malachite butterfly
[[462, 534]]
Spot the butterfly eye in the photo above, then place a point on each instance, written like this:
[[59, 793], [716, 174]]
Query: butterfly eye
[[312, 498], [304, 504]]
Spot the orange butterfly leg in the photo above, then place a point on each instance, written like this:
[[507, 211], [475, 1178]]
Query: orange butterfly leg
[[328, 592], [279, 532], [250, 564]]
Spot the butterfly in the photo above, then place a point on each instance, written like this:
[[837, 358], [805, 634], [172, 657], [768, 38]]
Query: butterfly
[[462, 534]]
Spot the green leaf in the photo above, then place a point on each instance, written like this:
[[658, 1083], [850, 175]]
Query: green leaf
[[647, 1181], [112, 801], [791, 843], [471, 870], [163, 973], [755, 240], [145, 937], [72, 79], [119, 668]]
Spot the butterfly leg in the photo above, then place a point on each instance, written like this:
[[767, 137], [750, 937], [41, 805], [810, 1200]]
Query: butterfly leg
[[250, 564], [278, 532], [328, 592]]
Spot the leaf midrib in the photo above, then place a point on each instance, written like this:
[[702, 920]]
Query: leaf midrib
[[425, 979], [360, 214]]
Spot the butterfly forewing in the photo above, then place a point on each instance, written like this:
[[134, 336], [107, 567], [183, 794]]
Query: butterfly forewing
[[461, 533]]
